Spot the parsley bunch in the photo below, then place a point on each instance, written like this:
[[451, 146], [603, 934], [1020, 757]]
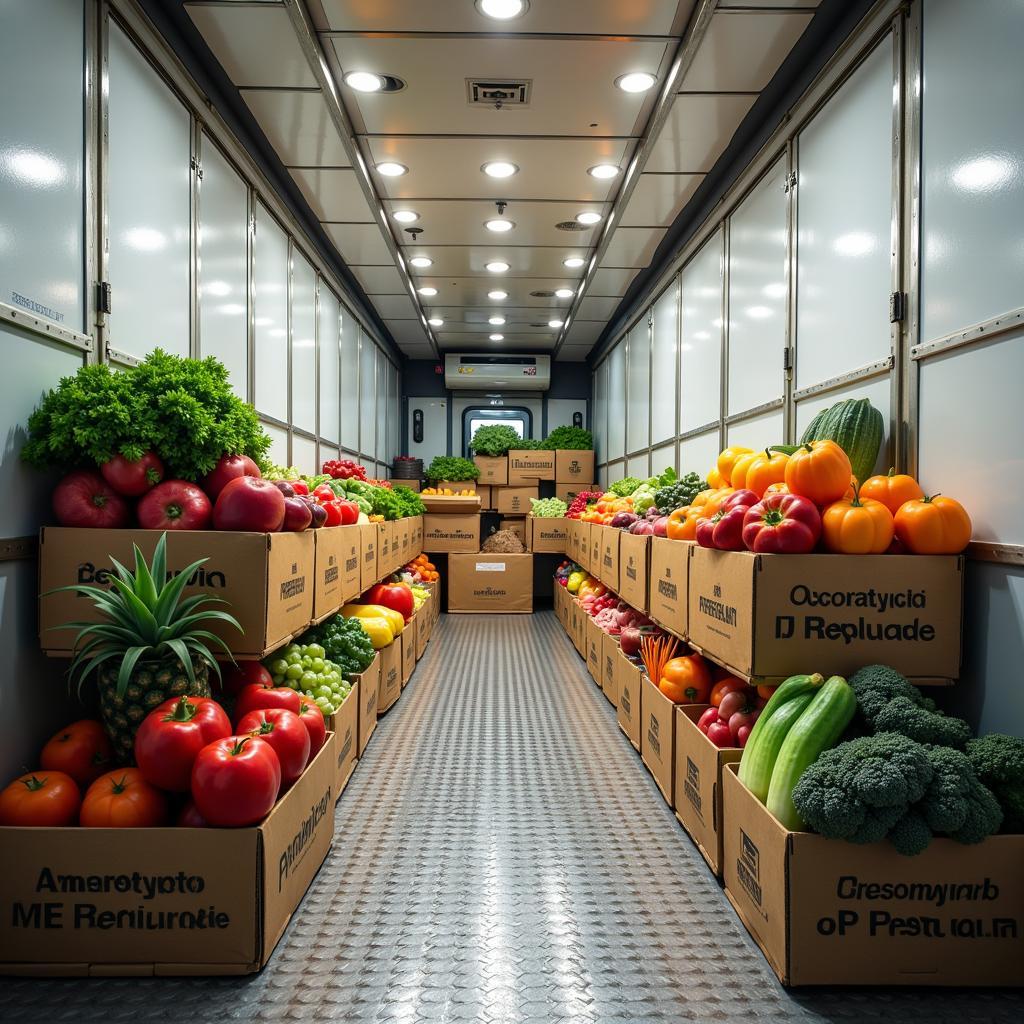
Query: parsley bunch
[[494, 441], [448, 467]]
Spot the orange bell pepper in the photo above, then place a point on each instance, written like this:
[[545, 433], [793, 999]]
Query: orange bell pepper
[[682, 523]]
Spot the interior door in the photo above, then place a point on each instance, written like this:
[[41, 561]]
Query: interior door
[[428, 421]]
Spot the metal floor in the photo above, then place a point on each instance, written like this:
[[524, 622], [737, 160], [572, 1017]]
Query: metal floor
[[502, 856]]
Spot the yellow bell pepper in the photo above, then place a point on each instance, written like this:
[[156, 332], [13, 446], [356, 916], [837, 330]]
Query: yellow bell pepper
[[378, 629], [362, 611]]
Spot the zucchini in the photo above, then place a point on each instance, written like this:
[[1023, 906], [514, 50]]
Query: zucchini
[[760, 762], [856, 426], [794, 686], [817, 729]]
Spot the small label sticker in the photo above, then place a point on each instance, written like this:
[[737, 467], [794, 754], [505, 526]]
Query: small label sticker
[[490, 566]]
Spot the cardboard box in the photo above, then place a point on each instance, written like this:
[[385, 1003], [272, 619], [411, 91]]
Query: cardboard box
[[825, 912], [634, 564], [267, 579], [449, 504], [344, 723], [579, 629], [368, 574], [444, 534], [410, 639], [390, 686], [547, 535], [423, 624], [403, 529], [515, 501], [525, 467], [574, 467], [490, 583], [336, 576], [628, 676], [595, 650], [609, 666], [596, 538], [668, 584], [568, 492], [369, 688], [385, 537], [417, 535], [608, 564], [769, 616], [485, 492], [658, 737], [413, 485], [517, 526], [698, 783], [493, 470], [163, 901], [456, 485]]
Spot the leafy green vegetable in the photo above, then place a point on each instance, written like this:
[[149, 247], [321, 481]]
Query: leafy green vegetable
[[449, 467], [182, 409], [548, 508], [493, 441], [345, 641], [410, 502], [569, 438], [624, 488], [671, 496]]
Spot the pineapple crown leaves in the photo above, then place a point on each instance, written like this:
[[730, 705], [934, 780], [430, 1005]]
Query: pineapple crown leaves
[[145, 618]]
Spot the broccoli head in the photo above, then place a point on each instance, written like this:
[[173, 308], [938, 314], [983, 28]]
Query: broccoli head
[[998, 762], [911, 834], [956, 804]]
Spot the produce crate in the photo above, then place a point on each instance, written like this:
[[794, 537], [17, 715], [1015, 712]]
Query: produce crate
[[485, 492], [629, 677], [336, 577], [579, 629], [410, 640], [609, 665], [517, 526], [344, 723], [390, 687], [267, 579], [514, 501], [528, 466], [368, 572], [568, 492], [658, 737], [595, 650], [547, 535], [825, 912], [490, 582], [574, 467], [163, 901], [493, 470], [634, 564], [698, 783], [608, 556], [445, 534], [441, 504], [424, 622], [369, 687], [456, 485], [668, 584]]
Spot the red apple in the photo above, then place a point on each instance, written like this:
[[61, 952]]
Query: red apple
[[250, 504], [229, 468], [661, 527]]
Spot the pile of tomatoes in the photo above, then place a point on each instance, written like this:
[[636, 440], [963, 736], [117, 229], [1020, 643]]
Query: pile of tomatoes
[[344, 469], [340, 511]]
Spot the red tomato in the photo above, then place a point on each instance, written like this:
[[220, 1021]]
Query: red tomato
[[175, 505], [313, 719], [286, 733], [396, 596], [229, 468], [81, 750], [40, 799], [189, 816], [132, 478], [256, 697], [349, 512], [250, 504], [324, 493], [235, 781], [84, 498], [300, 487], [170, 738], [297, 515], [245, 673], [333, 513], [123, 799]]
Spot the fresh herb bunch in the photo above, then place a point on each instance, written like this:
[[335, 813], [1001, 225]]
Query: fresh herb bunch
[[547, 508], [411, 503], [494, 441], [528, 444], [345, 642], [570, 438], [182, 409], [676, 495], [449, 467], [385, 502], [625, 487]]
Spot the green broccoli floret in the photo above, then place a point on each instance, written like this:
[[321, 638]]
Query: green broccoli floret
[[861, 789], [888, 702], [998, 761], [911, 834], [956, 804]]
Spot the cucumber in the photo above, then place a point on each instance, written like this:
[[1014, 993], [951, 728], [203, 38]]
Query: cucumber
[[817, 729], [794, 686], [777, 726]]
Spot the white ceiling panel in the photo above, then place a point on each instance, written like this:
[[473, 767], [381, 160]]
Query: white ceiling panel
[[419, 352], [573, 354], [614, 17], [632, 247], [396, 307], [255, 45], [454, 291], [333, 194], [611, 280], [697, 131], [584, 332], [298, 126], [658, 199], [453, 316], [380, 280], [805, 4], [450, 168], [561, 102], [511, 344], [742, 50], [407, 332], [359, 243], [598, 307], [470, 260]]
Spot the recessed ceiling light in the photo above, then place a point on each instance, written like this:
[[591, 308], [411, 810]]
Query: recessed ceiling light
[[502, 10], [422, 262], [496, 321], [499, 224], [364, 81], [499, 169], [405, 216], [497, 337], [436, 321], [427, 293], [587, 217], [390, 169], [563, 293], [573, 262], [604, 171], [555, 323], [497, 266], [497, 294], [635, 81]]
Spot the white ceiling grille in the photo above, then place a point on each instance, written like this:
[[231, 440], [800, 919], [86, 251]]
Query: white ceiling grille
[[498, 93]]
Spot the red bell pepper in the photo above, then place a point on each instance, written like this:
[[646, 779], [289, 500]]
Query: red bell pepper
[[724, 530], [782, 524]]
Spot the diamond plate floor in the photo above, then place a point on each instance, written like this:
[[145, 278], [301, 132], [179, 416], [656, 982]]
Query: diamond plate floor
[[502, 856]]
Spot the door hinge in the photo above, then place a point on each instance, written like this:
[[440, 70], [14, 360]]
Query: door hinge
[[789, 182], [897, 307], [787, 359], [103, 303]]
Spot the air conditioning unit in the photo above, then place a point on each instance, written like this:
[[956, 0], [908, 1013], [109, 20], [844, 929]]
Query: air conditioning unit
[[497, 373]]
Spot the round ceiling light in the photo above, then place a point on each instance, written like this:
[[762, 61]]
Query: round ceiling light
[[405, 216], [499, 224], [573, 262], [422, 262], [497, 266], [635, 81], [497, 294], [497, 337], [364, 81], [391, 169], [587, 217], [436, 321], [499, 169], [496, 321], [502, 10], [563, 293], [555, 323], [604, 171], [427, 293]]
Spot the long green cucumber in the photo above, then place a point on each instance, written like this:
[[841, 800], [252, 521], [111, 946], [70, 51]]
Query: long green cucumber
[[777, 726], [817, 729], [794, 686]]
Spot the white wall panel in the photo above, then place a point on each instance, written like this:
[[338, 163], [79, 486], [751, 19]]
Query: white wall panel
[[638, 407], [758, 431], [701, 357], [972, 155], [394, 431], [382, 407], [662, 458], [639, 466], [224, 267], [349, 381], [328, 352], [303, 344], [603, 478], [367, 394], [270, 308], [757, 294], [42, 248], [600, 424], [844, 210], [698, 454], [617, 402], [149, 212], [278, 452], [304, 454], [664, 348]]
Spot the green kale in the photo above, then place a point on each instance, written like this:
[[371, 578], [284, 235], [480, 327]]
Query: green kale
[[448, 467], [569, 438], [493, 441]]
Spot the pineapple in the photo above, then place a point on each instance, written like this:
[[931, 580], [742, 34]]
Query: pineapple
[[150, 646]]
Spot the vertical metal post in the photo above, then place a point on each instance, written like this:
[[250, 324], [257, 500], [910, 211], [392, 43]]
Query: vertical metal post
[[792, 258], [896, 241], [723, 255], [101, 174], [250, 294], [677, 283], [194, 254], [288, 341], [316, 369], [92, 114]]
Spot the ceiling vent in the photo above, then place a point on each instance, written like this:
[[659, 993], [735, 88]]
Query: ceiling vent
[[542, 295], [501, 93], [571, 225]]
